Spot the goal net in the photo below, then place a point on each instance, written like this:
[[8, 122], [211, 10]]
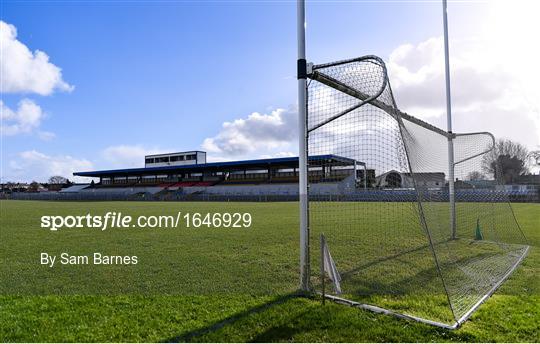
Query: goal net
[[379, 191]]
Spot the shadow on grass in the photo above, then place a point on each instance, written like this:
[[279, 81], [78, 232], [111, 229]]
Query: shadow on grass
[[290, 319], [191, 335], [276, 320], [351, 272], [414, 270], [276, 334]]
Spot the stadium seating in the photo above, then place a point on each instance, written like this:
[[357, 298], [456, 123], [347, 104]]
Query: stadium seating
[[75, 188]]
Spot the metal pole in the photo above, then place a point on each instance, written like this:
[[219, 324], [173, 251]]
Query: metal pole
[[323, 276], [302, 148], [365, 177], [451, 191], [355, 174]]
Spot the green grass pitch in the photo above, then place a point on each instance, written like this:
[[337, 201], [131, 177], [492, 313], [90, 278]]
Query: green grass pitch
[[211, 284]]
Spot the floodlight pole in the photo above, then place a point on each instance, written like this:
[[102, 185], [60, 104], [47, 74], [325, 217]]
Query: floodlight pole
[[302, 145], [451, 190]]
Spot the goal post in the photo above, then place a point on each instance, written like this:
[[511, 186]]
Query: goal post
[[451, 186], [389, 234], [426, 235], [302, 148]]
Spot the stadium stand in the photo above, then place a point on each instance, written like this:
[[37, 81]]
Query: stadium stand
[[268, 179], [277, 176], [75, 188]]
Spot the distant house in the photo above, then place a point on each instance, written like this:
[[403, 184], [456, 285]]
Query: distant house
[[395, 179], [429, 179], [14, 187]]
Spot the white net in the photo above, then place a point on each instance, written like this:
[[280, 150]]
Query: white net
[[380, 194]]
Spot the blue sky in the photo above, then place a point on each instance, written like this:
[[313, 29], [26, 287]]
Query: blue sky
[[160, 76]]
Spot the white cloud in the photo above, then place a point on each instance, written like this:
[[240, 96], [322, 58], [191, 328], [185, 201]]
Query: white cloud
[[278, 155], [128, 155], [257, 135], [417, 75], [46, 135], [33, 165], [24, 120], [24, 71], [216, 158], [486, 92]]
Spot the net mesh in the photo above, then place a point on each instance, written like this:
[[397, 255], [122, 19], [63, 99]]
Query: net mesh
[[378, 190]]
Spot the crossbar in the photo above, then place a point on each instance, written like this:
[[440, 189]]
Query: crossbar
[[364, 98]]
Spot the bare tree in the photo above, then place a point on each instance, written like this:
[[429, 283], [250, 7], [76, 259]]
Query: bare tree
[[516, 158], [34, 186], [535, 157], [57, 180]]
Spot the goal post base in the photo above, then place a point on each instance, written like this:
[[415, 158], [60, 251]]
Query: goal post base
[[380, 310], [453, 326]]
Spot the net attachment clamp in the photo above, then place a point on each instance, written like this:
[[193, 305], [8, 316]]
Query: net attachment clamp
[[309, 68], [304, 69]]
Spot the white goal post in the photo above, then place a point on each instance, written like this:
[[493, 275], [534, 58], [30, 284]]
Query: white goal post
[[420, 221]]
